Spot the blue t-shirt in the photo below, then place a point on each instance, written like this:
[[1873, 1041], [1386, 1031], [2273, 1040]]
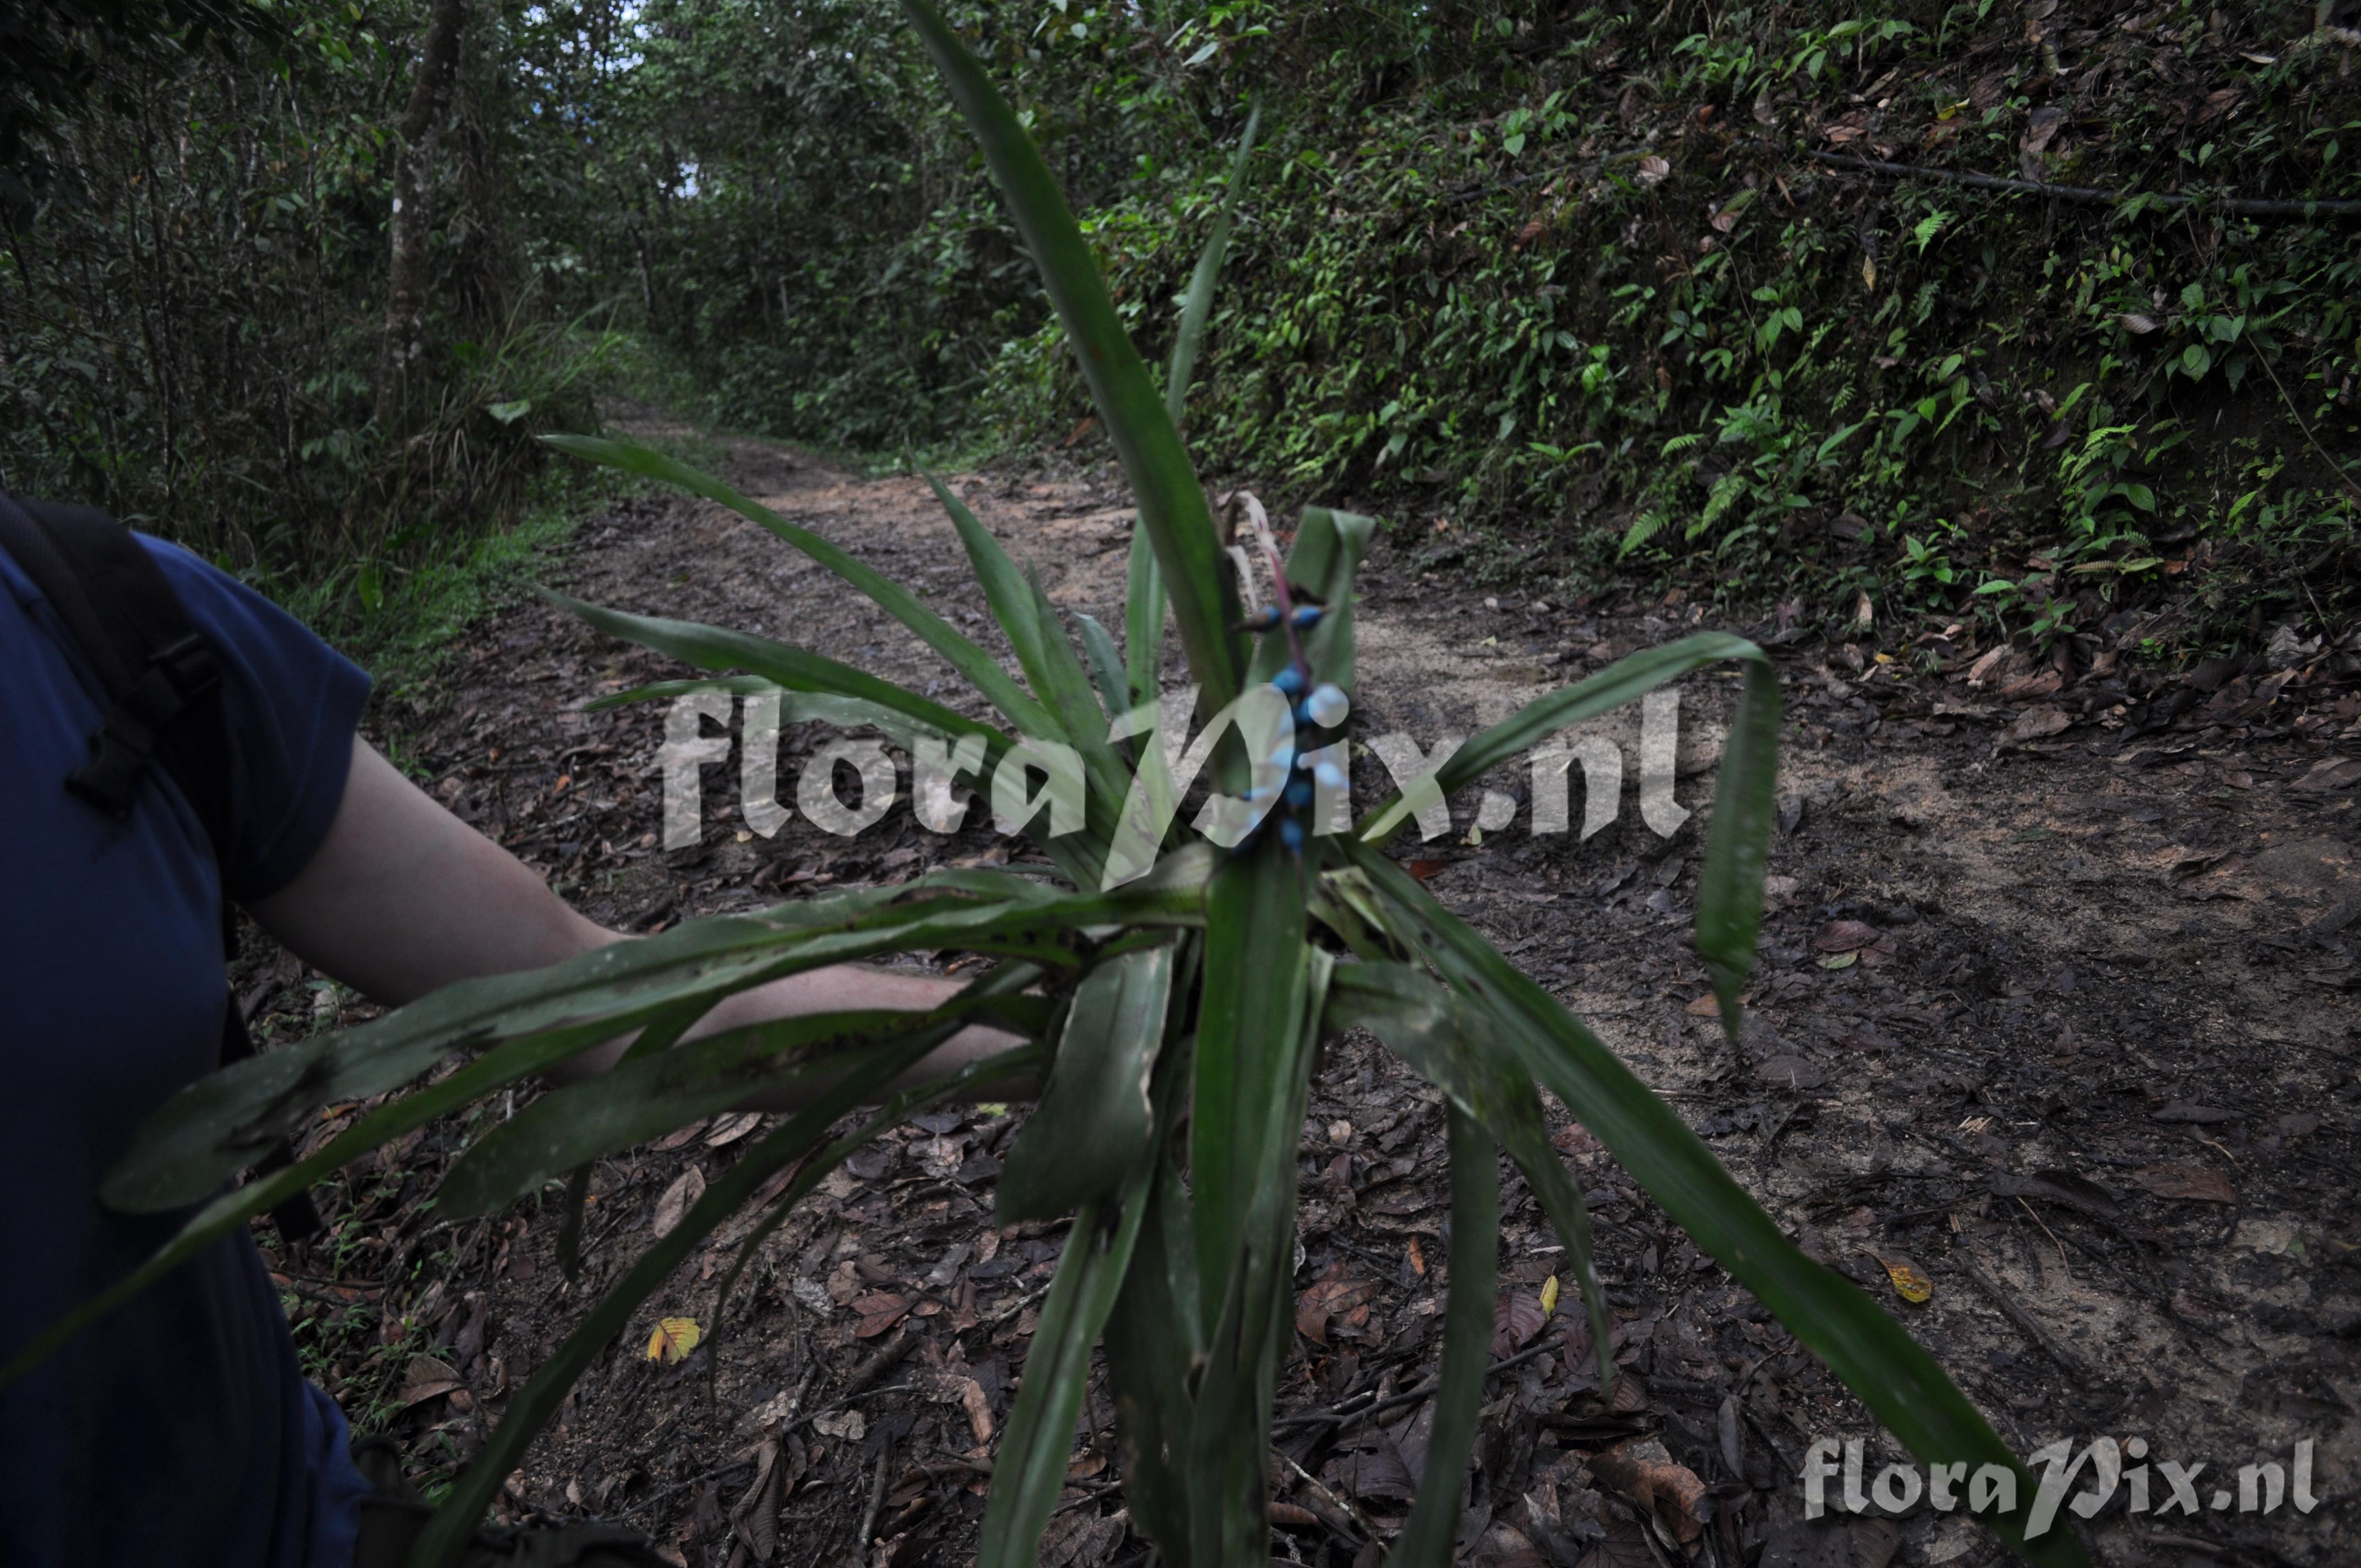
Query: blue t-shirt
[[178, 1429]]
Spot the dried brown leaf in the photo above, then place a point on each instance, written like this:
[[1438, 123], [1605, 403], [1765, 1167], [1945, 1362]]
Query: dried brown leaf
[[1845, 936], [2194, 1183], [686, 1189], [1643, 1472], [1517, 1317]]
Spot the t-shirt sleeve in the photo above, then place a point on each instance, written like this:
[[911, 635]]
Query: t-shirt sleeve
[[292, 703]]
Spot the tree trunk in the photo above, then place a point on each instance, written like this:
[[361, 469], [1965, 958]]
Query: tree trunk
[[413, 184]]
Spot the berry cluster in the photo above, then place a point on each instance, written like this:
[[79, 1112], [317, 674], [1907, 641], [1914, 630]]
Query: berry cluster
[[1312, 707]]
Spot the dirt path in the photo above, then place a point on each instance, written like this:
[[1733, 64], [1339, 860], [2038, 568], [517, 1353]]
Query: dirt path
[[2061, 1017]]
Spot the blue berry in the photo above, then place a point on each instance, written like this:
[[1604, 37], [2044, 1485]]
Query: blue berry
[[1290, 681]]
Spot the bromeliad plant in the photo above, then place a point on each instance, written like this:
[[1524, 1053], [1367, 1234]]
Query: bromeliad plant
[[1171, 996]]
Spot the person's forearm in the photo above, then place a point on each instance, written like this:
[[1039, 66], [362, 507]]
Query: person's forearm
[[840, 988], [403, 898]]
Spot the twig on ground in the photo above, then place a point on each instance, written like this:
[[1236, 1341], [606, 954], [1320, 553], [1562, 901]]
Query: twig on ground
[[1341, 1417], [873, 1366], [876, 1503], [1341, 1505], [2066, 1359], [1013, 1308]]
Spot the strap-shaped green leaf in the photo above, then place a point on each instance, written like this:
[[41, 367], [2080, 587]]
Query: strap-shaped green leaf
[[1257, 969], [1152, 1341], [1093, 1123], [1143, 620], [783, 664], [1737, 850], [1729, 897], [1876, 1358], [1610, 688], [569, 1224], [510, 1063], [1467, 1326], [1067, 688], [794, 707], [1107, 673], [1448, 1045], [1228, 1469], [445, 1539], [1079, 855], [1031, 1469], [646, 1097], [233, 1209], [1171, 504], [222, 1123], [971, 662], [1042, 651], [1197, 305]]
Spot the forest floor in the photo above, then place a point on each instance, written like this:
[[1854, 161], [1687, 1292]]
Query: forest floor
[[2058, 1007]]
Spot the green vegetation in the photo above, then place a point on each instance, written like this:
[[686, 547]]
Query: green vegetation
[[1564, 293], [1577, 297], [1175, 1013], [191, 296]]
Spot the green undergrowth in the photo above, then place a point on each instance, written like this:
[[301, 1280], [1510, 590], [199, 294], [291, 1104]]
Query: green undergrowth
[[406, 624], [1586, 318], [1570, 296]]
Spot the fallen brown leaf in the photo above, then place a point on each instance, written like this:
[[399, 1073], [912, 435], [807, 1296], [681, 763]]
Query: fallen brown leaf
[[728, 1129], [679, 1137], [1333, 1296], [1791, 1072], [686, 1189], [2336, 773], [1517, 1317], [1575, 1142], [2195, 1183], [879, 1311], [2037, 724], [2199, 1116], [427, 1377], [1646, 1474], [1845, 936], [756, 1517]]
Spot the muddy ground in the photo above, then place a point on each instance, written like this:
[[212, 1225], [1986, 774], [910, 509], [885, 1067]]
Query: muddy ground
[[2057, 1008]]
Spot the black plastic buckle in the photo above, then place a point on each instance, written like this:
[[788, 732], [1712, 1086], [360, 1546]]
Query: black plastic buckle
[[125, 742]]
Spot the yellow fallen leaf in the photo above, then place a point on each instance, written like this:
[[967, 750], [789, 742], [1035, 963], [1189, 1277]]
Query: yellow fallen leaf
[[1908, 1283], [1549, 1295], [673, 1339]]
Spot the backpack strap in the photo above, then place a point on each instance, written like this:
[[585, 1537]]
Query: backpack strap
[[162, 679], [161, 675]]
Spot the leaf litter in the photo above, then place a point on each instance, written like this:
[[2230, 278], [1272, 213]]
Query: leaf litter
[[2002, 1080]]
